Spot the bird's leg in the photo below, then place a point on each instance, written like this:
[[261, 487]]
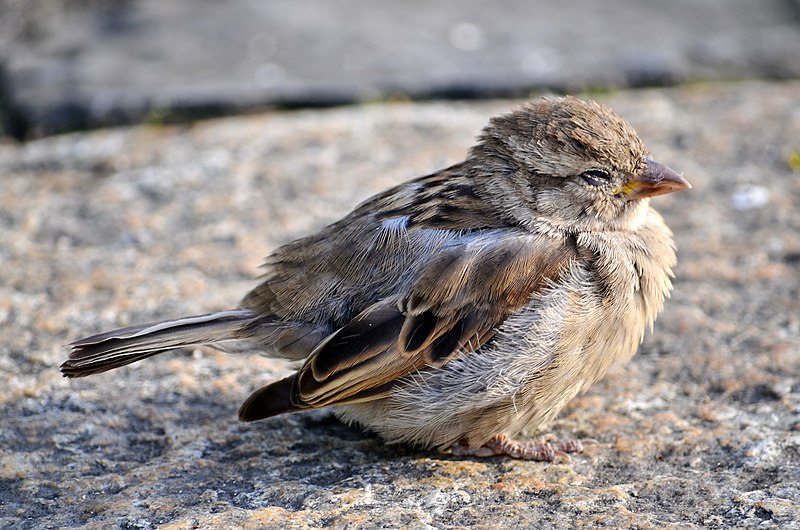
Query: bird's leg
[[543, 449]]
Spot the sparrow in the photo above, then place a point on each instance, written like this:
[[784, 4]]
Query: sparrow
[[456, 310]]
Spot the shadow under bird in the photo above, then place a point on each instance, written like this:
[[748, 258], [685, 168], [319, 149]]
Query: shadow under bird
[[457, 309]]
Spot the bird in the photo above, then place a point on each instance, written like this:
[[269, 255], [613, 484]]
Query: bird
[[460, 309]]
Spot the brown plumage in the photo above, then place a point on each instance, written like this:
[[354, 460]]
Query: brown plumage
[[456, 309]]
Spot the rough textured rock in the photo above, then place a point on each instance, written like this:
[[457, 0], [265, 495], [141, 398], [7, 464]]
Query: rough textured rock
[[74, 63], [102, 229]]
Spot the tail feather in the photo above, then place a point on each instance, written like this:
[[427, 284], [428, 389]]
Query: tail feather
[[113, 349]]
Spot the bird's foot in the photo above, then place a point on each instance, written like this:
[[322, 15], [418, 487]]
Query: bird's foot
[[543, 449]]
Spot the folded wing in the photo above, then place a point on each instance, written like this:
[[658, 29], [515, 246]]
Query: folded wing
[[452, 307]]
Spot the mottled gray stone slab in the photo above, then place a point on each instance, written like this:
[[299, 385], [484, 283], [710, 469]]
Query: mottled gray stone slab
[[112, 227]]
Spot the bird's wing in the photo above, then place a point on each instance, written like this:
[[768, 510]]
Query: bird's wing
[[454, 306]]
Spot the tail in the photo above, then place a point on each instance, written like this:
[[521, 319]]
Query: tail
[[113, 349]]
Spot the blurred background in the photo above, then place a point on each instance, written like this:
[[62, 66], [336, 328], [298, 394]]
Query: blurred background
[[74, 64]]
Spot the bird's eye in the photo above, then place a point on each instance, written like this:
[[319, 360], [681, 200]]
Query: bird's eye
[[597, 177]]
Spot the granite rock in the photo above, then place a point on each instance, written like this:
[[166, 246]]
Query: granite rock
[[126, 225]]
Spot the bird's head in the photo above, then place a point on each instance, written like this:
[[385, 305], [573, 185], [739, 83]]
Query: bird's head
[[575, 163]]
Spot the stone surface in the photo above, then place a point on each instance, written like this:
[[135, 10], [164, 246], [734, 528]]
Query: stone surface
[[108, 228], [72, 63]]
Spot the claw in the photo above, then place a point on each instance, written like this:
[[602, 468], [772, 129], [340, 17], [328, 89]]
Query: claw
[[561, 457]]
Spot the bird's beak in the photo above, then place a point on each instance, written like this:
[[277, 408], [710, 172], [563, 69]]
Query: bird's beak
[[657, 179]]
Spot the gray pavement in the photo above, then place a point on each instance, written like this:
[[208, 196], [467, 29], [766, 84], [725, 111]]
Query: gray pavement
[[73, 64]]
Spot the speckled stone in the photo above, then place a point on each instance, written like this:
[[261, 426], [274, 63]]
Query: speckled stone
[[113, 227]]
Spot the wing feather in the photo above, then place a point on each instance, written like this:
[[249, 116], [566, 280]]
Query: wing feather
[[454, 306]]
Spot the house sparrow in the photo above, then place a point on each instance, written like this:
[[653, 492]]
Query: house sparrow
[[457, 309]]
